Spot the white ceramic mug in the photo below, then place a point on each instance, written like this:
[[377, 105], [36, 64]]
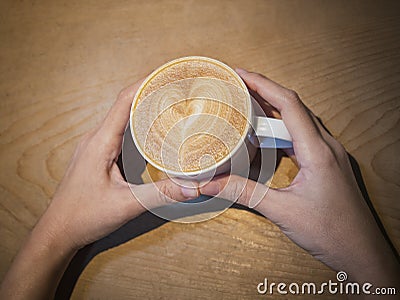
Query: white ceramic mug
[[260, 132]]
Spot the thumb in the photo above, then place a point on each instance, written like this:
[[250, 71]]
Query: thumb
[[160, 193], [243, 190]]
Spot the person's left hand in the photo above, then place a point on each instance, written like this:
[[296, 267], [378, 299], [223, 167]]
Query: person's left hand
[[93, 199]]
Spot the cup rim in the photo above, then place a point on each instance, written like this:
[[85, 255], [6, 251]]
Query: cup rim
[[222, 161]]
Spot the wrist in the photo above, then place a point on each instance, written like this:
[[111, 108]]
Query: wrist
[[381, 269], [39, 265], [51, 235]]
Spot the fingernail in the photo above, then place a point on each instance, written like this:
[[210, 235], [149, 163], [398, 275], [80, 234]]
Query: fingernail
[[241, 71], [190, 192], [210, 189]]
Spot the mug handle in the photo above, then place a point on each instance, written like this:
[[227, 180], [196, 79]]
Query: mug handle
[[270, 133]]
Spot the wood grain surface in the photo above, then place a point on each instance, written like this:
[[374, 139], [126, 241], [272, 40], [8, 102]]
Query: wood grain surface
[[62, 64]]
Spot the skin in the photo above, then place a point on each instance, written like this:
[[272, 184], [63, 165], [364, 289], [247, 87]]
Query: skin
[[91, 201], [322, 210]]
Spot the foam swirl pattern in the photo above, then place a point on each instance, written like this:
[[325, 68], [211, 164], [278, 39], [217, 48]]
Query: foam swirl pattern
[[190, 124]]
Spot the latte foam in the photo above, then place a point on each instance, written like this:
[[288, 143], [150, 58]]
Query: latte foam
[[190, 116]]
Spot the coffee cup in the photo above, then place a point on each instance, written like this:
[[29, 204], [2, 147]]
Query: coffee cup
[[194, 118]]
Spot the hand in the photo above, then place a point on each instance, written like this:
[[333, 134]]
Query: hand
[[91, 201], [323, 210]]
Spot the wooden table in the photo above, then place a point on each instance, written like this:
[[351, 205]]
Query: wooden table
[[63, 63]]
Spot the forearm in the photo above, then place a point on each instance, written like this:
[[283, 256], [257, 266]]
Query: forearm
[[378, 266], [38, 267], [381, 272]]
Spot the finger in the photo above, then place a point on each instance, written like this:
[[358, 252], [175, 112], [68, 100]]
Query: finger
[[114, 124], [245, 191], [336, 148], [328, 137], [164, 192], [268, 109], [305, 134]]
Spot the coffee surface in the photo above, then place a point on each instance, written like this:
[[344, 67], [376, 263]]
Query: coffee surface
[[190, 116]]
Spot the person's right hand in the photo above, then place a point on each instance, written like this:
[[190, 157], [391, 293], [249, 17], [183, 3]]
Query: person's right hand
[[322, 210]]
